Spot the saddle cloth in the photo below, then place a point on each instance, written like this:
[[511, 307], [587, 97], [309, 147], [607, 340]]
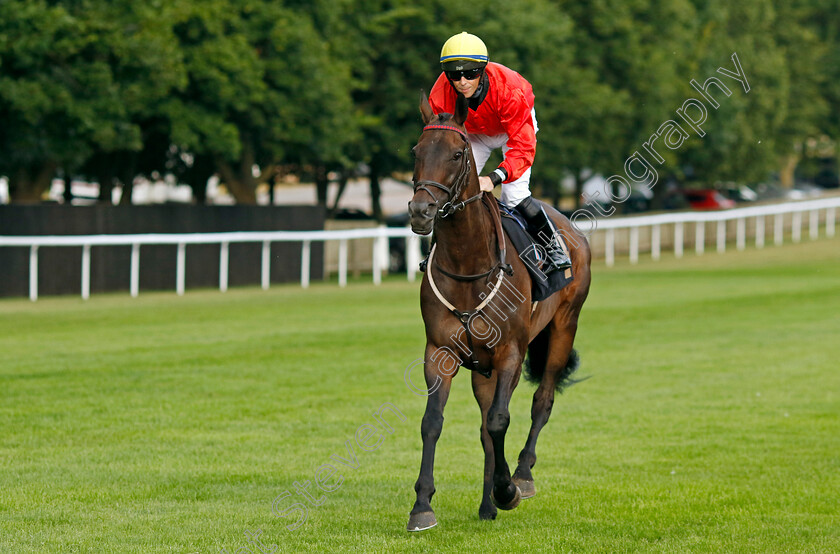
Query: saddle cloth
[[533, 254]]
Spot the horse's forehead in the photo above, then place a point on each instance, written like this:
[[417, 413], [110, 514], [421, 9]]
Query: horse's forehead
[[441, 137], [437, 142]]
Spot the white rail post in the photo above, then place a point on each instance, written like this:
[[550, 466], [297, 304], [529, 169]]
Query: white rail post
[[380, 255], [655, 241], [305, 254], [33, 273], [814, 224], [609, 247], [223, 266], [678, 239], [265, 271], [699, 237], [759, 231], [342, 263], [134, 284], [829, 221], [721, 235], [779, 229], [412, 256], [741, 234], [181, 269], [634, 244], [85, 272], [797, 227]]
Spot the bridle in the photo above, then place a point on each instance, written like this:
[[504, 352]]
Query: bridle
[[452, 204]]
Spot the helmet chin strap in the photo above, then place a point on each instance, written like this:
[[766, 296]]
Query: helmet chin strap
[[480, 93]]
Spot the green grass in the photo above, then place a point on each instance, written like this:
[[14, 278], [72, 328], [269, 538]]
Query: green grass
[[167, 424]]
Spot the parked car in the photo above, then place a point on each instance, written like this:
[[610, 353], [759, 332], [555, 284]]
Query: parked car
[[707, 199], [736, 192], [799, 191], [769, 191], [803, 189]]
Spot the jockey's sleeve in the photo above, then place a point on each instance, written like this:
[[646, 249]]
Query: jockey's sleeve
[[518, 122]]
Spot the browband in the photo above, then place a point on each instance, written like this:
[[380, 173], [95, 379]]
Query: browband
[[447, 128]]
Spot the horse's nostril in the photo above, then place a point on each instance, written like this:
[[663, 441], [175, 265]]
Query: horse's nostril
[[420, 209]]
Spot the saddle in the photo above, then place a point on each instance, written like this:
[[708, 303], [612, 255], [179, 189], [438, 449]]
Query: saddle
[[532, 253]]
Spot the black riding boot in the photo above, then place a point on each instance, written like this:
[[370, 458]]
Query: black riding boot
[[543, 229]]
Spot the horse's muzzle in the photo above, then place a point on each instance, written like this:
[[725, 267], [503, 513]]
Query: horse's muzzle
[[422, 216]]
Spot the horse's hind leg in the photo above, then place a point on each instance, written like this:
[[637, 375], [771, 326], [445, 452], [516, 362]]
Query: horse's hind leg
[[549, 356]]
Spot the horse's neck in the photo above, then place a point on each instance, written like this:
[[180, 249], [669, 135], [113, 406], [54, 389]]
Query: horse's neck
[[466, 241]]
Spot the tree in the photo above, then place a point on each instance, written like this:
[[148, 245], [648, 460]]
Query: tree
[[73, 78], [740, 143], [263, 90]]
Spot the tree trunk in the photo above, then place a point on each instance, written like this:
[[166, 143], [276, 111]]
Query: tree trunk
[[127, 192], [240, 180], [786, 173], [660, 192], [197, 175], [578, 189], [242, 187], [375, 192], [106, 187], [342, 185], [28, 184], [68, 191], [555, 195], [322, 184]]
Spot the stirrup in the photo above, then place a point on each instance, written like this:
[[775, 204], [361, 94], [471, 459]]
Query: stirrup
[[557, 260]]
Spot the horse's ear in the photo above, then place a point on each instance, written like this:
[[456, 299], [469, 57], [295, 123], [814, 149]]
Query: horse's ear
[[425, 108], [461, 109]]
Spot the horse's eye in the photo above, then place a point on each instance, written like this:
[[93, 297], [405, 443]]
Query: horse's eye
[[458, 155]]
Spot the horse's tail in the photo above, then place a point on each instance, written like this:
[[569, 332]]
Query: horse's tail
[[534, 372]]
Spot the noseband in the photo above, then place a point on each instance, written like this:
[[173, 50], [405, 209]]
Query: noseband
[[453, 192]]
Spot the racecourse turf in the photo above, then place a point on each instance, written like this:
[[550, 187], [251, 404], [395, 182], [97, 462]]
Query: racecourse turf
[[711, 422]]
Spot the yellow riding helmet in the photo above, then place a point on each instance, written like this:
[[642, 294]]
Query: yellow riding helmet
[[463, 51]]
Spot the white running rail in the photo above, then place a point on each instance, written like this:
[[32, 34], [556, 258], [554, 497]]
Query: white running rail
[[607, 226]]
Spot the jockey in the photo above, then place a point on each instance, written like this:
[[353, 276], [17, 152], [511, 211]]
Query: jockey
[[501, 115]]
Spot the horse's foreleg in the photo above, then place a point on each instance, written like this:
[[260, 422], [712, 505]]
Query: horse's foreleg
[[483, 390], [422, 516], [506, 495]]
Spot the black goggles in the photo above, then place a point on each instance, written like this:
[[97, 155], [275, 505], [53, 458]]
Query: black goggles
[[469, 74]]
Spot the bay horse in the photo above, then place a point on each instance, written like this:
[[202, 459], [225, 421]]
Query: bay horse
[[484, 320]]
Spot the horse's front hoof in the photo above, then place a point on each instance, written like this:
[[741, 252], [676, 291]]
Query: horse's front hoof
[[514, 502], [526, 487], [487, 512], [421, 521]]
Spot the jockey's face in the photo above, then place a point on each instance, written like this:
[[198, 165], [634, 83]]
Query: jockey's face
[[465, 86]]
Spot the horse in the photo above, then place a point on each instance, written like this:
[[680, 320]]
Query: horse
[[481, 319]]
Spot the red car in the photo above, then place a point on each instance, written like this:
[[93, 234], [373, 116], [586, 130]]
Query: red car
[[708, 199]]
